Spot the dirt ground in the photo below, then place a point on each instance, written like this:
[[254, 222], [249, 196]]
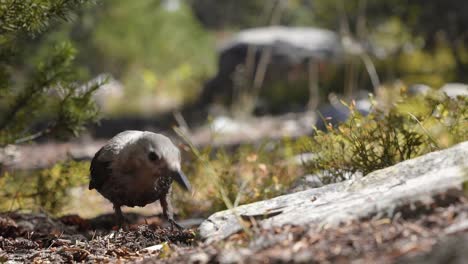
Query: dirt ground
[[222, 132], [38, 238], [411, 232]]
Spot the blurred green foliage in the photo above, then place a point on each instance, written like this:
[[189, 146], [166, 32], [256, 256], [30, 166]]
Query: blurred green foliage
[[414, 41], [159, 54], [45, 189], [420, 41], [231, 14], [415, 126], [153, 48], [44, 98], [164, 55]]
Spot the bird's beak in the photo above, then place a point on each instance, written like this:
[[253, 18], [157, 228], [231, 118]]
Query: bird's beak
[[182, 180]]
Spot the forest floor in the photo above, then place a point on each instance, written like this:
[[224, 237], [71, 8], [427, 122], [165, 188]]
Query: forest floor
[[39, 238], [409, 232]]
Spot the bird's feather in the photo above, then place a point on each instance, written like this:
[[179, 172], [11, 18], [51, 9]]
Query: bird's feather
[[100, 171], [118, 143], [101, 165]]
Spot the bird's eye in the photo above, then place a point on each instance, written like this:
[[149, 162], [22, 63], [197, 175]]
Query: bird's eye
[[153, 156]]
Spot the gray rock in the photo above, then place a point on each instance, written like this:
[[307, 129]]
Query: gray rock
[[459, 226], [9, 154], [200, 258], [290, 49], [455, 89], [296, 43], [379, 192], [311, 181], [302, 158], [234, 255], [229, 131], [419, 89], [191, 222], [453, 249], [306, 182]]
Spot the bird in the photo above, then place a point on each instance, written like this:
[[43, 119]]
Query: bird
[[135, 168]]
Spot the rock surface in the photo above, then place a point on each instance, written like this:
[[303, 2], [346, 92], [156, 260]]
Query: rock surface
[[452, 249], [380, 192], [286, 51], [225, 131], [294, 43]]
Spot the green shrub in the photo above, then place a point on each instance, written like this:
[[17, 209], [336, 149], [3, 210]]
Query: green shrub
[[45, 189], [414, 126], [44, 98]]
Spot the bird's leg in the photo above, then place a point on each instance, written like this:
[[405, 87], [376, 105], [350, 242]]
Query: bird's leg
[[168, 212], [119, 216]]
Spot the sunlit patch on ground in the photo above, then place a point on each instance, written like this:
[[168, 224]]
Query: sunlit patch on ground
[[89, 204]]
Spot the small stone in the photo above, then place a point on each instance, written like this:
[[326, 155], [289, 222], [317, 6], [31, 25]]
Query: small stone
[[154, 248], [200, 258]]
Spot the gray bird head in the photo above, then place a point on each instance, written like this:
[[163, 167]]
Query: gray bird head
[[157, 152]]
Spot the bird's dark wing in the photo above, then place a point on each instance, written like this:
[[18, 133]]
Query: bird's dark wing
[[100, 171]]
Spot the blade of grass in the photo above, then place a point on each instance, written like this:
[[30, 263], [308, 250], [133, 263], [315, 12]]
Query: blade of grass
[[425, 131], [221, 189]]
